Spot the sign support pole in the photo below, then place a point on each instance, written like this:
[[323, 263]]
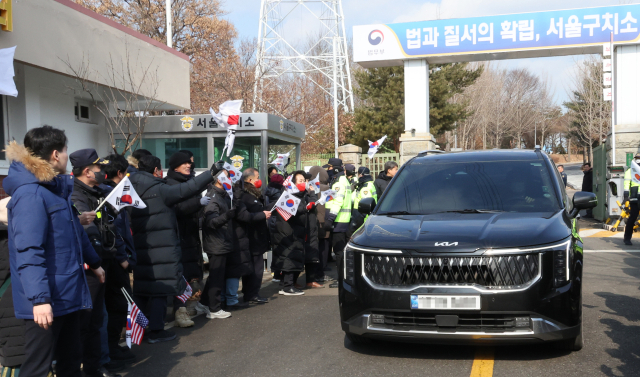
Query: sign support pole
[[169, 36], [335, 94], [613, 105]]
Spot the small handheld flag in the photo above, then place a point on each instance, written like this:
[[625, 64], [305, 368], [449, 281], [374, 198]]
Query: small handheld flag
[[136, 322], [327, 196], [315, 183], [374, 146], [287, 205], [281, 161], [226, 183], [187, 292], [635, 172], [229, 118], [289, 186], [234, 174], [123, 195]]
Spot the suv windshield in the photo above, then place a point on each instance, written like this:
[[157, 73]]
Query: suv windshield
[[428, 186]]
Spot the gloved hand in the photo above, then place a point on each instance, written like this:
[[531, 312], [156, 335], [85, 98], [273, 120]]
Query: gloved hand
[[311, 206], [231, 213], [205, 200]]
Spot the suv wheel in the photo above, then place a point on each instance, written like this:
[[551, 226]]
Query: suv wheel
[[358, 339]]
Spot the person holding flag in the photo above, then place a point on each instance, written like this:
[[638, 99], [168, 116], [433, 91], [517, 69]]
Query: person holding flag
[[159, 272], [88, 173], [296, 233], [631, 185], [324, 236], [219, 242]]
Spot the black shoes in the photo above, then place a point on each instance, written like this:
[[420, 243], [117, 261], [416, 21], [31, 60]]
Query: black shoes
[[628, 242], [102, 372], [123, 354], [114, 365], [257, 300], [160, 336], [333, 285], [291, 292], [327, 278], [237, 306]]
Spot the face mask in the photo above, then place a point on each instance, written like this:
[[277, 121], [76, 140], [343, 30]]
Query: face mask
[[100, 176], [257, 183], [301, 186]]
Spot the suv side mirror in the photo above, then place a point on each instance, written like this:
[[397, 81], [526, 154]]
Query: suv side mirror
[[583, 200], [366, 206]]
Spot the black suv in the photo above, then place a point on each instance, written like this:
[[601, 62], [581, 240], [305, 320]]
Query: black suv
[[476, 247]]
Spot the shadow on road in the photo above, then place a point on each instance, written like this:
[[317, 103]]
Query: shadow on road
[[625, 336]]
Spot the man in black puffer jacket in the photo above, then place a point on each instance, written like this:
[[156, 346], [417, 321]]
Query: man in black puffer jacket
[[188, 215], [381, 183], [253, 220], [159, 272]]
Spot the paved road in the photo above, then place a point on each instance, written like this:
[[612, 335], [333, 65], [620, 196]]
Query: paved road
[[301, 336]]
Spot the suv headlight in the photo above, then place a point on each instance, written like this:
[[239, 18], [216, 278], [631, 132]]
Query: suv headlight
[[349, 265], [561, 261]]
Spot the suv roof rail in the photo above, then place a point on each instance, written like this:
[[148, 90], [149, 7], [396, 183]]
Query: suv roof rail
[[424, 153]]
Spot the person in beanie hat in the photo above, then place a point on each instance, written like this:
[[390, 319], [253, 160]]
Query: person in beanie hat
[[187, 214], [193, 165], [159, 272]]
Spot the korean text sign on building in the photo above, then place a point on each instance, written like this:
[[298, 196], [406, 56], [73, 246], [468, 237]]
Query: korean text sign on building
[[494, 37]]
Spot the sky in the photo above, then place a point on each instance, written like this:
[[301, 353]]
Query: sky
[[244, 14]]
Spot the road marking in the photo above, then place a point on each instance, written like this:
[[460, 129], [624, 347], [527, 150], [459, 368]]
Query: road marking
[[588, 232], [603, 234], [483, 362], [612, 251]]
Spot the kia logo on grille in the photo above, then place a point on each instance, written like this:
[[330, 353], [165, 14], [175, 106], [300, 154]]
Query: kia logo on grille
[[446, 244]]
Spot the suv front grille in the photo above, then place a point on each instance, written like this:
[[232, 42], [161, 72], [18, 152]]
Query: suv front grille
[[492, 272], [466, 322]]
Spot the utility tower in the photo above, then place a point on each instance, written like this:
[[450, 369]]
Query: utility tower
[[323, 59]]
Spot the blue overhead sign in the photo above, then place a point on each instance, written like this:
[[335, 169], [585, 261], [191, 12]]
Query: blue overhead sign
[[488, 36]]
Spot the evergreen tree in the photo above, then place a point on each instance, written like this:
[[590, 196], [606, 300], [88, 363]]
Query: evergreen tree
[[382, 93]]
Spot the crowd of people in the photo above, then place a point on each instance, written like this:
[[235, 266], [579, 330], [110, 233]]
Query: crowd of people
[[66, 257]]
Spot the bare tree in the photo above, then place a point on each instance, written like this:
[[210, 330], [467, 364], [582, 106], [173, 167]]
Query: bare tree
[[127, 99]]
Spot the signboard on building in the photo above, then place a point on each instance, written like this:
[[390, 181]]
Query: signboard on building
[[523, 35]]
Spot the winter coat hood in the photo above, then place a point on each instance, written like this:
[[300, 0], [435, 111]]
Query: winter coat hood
[[324, 176], [27, 168], [133, 161]]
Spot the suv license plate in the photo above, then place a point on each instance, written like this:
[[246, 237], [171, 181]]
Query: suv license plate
[[445, 302]]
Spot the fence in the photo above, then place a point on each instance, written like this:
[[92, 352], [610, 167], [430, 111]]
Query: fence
[[376, 164], [317, 159]]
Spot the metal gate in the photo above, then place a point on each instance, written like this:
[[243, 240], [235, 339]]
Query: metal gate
[[376, 164]]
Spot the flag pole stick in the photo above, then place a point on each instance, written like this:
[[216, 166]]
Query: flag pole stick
[[126, 296]]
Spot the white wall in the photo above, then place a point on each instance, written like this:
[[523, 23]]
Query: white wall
[[49, 98]]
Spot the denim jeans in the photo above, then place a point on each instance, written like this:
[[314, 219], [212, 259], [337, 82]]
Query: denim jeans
[[231, 291]]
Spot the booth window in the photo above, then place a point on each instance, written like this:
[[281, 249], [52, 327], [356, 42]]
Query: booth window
[[246, 147], [164, 148]]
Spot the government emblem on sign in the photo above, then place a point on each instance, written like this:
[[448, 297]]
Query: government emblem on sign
[[237, 162], [281, 125], [187, 124]]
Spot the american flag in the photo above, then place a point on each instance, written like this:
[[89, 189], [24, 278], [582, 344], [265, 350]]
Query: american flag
[[136, 323], [187, 292], [287, 205]]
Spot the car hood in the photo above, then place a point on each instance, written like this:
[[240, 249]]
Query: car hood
[[458, 232]]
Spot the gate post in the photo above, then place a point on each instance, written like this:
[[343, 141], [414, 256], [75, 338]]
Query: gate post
[[416, 137]]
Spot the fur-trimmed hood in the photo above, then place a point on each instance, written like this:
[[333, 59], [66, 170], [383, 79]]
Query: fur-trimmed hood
[[27, 168], [132, 161], [40, 168]]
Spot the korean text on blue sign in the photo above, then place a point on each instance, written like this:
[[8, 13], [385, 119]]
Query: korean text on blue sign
[[576, 27]]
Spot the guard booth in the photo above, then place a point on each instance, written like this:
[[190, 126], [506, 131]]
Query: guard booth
[[258, 138]]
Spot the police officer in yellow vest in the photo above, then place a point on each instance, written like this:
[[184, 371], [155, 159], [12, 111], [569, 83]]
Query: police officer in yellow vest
[[633, 202], [338, 214], [364, 188]]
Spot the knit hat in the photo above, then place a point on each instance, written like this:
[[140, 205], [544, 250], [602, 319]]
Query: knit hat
[[278, 179], [178, 159], [364, 170]]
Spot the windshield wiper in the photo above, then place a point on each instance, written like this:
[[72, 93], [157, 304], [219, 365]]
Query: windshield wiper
[[474, 211], [397, 213]]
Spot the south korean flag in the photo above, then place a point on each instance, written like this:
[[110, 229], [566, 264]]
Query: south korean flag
[[234, 174], [287, 205], [327, 196], [226, 183], [315, 183]]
